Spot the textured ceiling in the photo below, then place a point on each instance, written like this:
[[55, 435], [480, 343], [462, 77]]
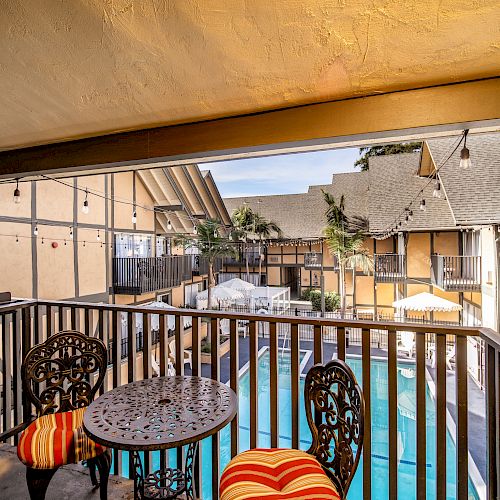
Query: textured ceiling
[[70, 69]]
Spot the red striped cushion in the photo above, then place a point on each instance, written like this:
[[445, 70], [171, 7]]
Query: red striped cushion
[[275, 474], [57, 439]]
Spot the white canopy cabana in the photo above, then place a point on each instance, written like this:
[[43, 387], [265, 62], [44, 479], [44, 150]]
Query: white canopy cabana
[[220, 295], [424, 302], [238, 284]]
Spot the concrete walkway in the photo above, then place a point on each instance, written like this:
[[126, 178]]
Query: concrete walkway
[[69, 482]]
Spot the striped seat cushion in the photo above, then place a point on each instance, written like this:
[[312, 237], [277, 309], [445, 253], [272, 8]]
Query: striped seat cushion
[[273, 474], [57, 439]]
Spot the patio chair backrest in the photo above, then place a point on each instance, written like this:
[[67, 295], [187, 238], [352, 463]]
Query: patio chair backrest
[[56, 374], [335, 414]]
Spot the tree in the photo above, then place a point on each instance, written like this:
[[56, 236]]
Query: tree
[[388, 149], [212, 243], [242, 219], [345, 237], [248, 223], [264, 229]]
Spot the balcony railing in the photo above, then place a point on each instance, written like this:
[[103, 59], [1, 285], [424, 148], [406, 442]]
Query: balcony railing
[[200, 265], [254, 257], [458, 273], [30, 322], [138, 275], [390, 267]]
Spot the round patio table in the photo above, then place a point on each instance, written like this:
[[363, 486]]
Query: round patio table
[[158, 414]]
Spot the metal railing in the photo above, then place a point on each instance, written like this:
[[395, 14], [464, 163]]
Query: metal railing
[[200, 265], [456, 272], [138, 275], [30, 322], [254, 257], [389, 268]]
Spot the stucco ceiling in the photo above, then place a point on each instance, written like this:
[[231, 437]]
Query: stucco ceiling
[[71, 69]]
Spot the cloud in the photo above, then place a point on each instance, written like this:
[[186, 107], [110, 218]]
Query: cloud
[[283, 174]]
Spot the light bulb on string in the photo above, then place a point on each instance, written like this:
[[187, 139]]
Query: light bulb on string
[[195, 230], [35, 231], [134, 216], [17, 238], [84, 243], [70, 233], [410, 215], [17, 193], [437, 190], [98, 236], [464, 154], [169, 225], [85, 207], [422, 205]]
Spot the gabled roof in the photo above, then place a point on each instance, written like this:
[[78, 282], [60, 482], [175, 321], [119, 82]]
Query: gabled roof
[[394, 183], [473, 194], [391, 184], [302, 215]]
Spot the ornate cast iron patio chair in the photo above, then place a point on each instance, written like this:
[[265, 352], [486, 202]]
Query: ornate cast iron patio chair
[[335, 414], [56, 381]]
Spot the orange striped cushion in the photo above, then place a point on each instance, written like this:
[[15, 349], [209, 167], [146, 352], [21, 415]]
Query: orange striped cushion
[[57, 439], [275, 474]]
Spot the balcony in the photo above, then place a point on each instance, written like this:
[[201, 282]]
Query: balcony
[[389, 268], [138, 275], [448, 356], [461, 273], [200, 265], [254, 257]]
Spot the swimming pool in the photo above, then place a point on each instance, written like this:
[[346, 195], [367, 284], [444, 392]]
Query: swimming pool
[[380, 447]]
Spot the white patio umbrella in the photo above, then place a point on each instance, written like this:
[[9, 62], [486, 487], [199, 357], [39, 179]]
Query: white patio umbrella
[[219, 295], [426, 302]]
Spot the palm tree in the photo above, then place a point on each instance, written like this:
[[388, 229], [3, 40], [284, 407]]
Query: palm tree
[[212, 243], [243, 224], [345, 237], [264, 228]]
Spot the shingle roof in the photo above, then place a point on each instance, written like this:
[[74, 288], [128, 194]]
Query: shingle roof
[[394, 183], [302, 215], [474, 194]]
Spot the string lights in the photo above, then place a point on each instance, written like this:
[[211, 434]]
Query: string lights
[[464, 154], [134, 216], [85, 207], [17, 193], [406, 215]]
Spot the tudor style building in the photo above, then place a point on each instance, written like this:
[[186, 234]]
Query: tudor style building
[[450, 249], [116, 250]]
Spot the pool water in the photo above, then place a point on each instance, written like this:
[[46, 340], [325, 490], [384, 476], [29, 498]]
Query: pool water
[[380, 446]]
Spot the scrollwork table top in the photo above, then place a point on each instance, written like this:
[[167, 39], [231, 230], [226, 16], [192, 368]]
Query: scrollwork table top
[[160, 413]]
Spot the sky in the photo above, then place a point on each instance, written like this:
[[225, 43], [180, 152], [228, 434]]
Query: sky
[[283, 174]]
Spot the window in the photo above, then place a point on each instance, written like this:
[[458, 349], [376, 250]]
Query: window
[[471, 243], [471, 315], [162, 246], [190, 293], [133, 245]]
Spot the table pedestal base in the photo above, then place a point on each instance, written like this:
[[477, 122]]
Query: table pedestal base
[[165, 483]]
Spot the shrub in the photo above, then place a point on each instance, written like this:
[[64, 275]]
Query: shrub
[[332, 300]]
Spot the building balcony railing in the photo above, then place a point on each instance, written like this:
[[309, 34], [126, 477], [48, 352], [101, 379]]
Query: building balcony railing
[[138, 275], [241, 259], [457, 273], [439, 352], [200, 265], [389, 267]]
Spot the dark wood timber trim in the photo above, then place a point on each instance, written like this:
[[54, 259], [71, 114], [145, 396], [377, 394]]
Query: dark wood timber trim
[[441, 107]]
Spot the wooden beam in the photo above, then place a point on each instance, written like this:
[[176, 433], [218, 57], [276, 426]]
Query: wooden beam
[[353, 121]]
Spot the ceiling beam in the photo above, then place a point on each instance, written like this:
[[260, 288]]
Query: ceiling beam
[[429, 110]]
